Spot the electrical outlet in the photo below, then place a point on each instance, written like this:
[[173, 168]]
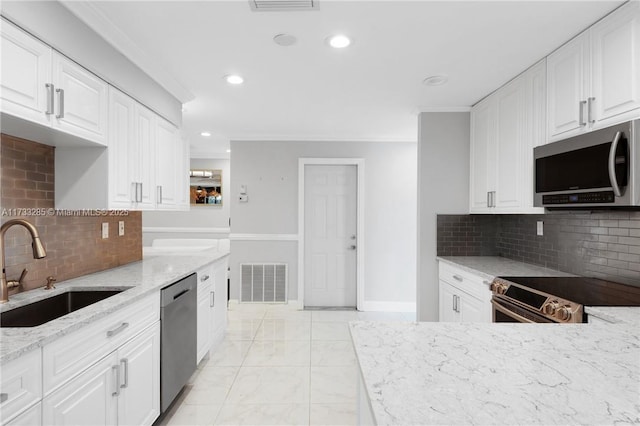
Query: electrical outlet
[[121, 228], [540, 228], [105, 230]]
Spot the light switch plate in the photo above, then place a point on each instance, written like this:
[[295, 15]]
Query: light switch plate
[[121, 228], [244, 198], [540, 228], [105, 230]]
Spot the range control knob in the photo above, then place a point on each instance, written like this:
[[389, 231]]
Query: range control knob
[[550, 308], [498, 287], [564, 313]]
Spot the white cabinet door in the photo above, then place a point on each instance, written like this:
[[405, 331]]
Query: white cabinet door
[[167, 164], [88, 399], [473, 310], [123, 151], [447, 303], [145, 130], [31, 417], [204, 313], [139, 399], [567, 86], [615, 44], [81, 101], [26, 69], [482, 155], [219, 319], [509, 140]]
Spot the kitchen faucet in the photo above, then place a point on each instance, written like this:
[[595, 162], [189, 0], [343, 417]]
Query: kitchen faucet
[[36, 244]]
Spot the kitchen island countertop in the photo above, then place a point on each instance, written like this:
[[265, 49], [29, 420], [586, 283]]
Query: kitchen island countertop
[[144, 277], [448, 373]]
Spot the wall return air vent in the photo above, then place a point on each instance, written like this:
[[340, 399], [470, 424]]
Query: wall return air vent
[[283, 5], [263, 282]]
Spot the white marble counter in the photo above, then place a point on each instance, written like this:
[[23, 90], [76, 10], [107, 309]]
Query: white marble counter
[[489, 267], [447, 373], [616, 314], [144, 277]]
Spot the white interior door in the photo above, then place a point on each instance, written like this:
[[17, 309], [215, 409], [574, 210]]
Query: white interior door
[[330, 221]]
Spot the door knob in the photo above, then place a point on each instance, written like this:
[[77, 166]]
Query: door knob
[[352, 247]]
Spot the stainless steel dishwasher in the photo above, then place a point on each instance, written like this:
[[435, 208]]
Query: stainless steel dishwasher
[[178, 316]]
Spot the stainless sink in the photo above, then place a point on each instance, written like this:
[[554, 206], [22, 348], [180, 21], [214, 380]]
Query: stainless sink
[[46, 310]]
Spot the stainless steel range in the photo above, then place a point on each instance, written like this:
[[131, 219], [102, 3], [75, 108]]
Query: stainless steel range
[[555, 299]]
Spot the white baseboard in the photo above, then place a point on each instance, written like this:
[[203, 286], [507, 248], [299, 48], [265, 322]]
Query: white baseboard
[[377, 306]]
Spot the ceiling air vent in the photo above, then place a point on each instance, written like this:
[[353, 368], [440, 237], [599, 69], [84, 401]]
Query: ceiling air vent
[[283, 5]]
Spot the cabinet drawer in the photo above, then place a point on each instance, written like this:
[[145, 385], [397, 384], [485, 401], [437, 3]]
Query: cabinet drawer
[[21, 384], [465, 281], [31, 417], [68, 356]]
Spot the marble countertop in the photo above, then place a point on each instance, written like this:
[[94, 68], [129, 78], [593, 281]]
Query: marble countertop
[[144, 277], [616, 314], [489, 267], [448, 373]]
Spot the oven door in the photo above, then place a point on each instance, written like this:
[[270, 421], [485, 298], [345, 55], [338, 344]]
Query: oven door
[[504, 311]]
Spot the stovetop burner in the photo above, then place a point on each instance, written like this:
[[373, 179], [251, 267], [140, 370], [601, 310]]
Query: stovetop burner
[[582, 290]]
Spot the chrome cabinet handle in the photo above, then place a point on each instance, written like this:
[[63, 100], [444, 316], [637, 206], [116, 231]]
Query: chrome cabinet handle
[[590, 110], [116, 369], [457, 278], [134, 186], [3, 397], [140, 200], [612, 165], [125, 363], [212, 299], [204, 278], [453, 303], [352, 247], [581, 106], [50, 88], [118, 329], [60, 93], [488, 198], [159, 193]]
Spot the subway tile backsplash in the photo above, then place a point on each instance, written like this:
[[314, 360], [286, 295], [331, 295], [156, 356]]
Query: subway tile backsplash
[[601, 244]]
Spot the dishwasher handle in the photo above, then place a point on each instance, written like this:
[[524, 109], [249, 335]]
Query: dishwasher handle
[[174, 292]]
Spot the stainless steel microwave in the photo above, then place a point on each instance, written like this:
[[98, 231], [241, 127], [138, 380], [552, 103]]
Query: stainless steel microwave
[[596, 169]]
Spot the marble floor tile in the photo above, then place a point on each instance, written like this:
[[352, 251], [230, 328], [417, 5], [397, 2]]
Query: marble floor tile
[[332, 353], [330, 331], [242, 329], [211, 386], [288, 314], [278, 352], [229, 353], [333, 414], [270, 385], [334, 385], [284, 329], [332, 316], [382, 316], [263, 414], [193, 415]]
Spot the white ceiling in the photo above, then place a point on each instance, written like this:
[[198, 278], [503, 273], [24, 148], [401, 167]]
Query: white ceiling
[[370, 91]]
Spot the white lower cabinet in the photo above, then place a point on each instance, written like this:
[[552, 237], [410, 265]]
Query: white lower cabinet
[[123, 388], [212, 306], [31, 417], [464, 297], [20, 387]]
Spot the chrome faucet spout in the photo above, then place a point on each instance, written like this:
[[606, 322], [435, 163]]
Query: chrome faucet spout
[[38, 250]]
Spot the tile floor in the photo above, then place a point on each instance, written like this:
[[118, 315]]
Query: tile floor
[[277, 366]]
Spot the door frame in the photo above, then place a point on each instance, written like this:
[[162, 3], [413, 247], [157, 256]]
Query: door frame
[[359, 163]]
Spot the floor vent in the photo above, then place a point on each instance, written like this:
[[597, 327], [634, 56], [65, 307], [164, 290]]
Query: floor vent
[[263, 282], [283, 5]]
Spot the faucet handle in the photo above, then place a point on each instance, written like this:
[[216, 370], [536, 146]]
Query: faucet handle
[[50, 280], [19, 282]]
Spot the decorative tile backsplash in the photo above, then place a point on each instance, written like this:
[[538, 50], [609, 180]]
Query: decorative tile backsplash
[[72, 240], [601, 244]]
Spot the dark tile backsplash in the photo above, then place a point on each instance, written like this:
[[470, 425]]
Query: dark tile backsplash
[[598, 244]]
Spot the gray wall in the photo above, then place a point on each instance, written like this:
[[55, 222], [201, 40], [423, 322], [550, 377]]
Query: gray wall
[[59, 28], [197, 216], [443, 187], [270, 172]]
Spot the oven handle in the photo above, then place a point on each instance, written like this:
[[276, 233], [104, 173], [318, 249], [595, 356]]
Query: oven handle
[[612, 165], [509, 313]]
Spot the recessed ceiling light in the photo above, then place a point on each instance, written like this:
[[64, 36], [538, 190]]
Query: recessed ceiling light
[[234, 79], [228, 150], [284, 39], [205, 134], [435, 80], [339, 41]]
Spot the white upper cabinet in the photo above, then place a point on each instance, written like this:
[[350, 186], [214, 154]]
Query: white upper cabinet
[[169, 165], [80, 101], [26, 70], [594, 80], [145, 131], [123, 151], [505, 127]]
